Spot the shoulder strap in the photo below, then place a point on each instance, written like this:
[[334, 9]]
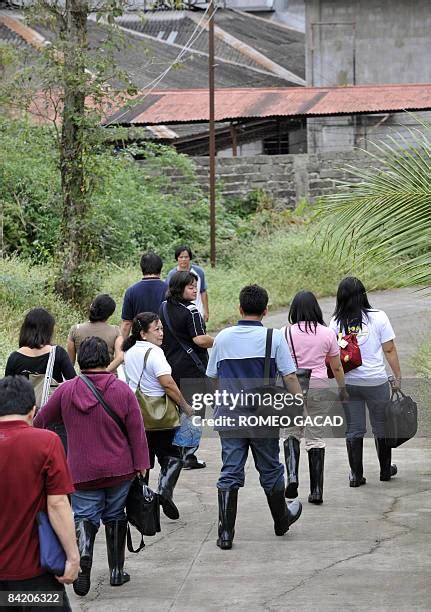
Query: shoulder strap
[[267, 366], [292, 345], [188, 349], [114, 416], [130, 543], [48, 376], [147, 354]]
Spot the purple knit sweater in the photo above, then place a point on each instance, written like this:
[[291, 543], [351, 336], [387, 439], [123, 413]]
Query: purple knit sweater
[[96, 446]]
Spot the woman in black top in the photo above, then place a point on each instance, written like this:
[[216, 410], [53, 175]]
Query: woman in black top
[[35, 339], [188, 335]]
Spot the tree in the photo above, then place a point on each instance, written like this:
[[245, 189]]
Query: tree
[[383, 215], [76, 85]]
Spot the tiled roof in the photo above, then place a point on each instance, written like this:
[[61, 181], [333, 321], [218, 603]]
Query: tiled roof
[[11, 37], [178, 31], [16, 32], [168, 107], [276, 41], [145, 58], [273, 42]]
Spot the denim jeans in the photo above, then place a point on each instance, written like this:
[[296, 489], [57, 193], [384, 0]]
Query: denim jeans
[[376, 399], [104, 505], [265, 453]]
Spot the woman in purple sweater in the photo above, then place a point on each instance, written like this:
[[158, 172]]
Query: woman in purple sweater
[[102, 461]]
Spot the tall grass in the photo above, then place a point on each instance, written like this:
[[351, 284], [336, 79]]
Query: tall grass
[[283, 262], [24, 286]]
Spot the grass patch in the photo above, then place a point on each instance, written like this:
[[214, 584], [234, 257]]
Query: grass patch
[[24, 286], [422, 359]]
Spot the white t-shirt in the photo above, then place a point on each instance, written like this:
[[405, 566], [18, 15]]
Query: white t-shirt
[[157, 365], [376, 329]]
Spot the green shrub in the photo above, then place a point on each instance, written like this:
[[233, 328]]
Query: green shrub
[[24, 286], [133, 207]]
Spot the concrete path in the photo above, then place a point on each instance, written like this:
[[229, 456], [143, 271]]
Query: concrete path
[[363, 549]]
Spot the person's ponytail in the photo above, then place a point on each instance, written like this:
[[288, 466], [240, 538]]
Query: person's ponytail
[[134, 336]]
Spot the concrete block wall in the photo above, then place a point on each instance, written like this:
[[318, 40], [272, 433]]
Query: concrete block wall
[[286, 178]]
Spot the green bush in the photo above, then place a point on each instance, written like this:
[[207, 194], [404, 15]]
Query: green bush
[[133, 208], [24, 286]]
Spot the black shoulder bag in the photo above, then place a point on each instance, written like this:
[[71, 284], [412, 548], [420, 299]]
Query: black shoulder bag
[[270, 389], [188, 349], [302, 374]]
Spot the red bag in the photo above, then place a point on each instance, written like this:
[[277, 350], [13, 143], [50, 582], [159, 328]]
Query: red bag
[[350, 354]]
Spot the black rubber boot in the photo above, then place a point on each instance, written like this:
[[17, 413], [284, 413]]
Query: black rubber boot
[[384, 453], [191, 462], [282, 513], [169, 473], [354, 452], [316, 464], [227, 505], [85, 536], [116, 532], [291, 457]]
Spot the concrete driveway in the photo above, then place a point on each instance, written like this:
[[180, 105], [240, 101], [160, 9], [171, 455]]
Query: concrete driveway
[[363, 549]]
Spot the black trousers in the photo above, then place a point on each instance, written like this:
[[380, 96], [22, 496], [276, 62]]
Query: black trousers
[[41, 584], [160, 445]]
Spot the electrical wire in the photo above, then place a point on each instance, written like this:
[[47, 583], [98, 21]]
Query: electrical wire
[[187, 48]]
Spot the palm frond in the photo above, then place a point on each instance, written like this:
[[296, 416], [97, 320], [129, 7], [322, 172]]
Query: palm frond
[[383, 214]]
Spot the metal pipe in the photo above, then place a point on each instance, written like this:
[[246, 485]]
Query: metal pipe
[[212, 143]]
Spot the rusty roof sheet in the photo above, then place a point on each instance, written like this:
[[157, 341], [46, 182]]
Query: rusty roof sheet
[[174, 106]]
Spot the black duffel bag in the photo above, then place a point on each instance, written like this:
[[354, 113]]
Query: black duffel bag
[[143, 511], [401, 419]]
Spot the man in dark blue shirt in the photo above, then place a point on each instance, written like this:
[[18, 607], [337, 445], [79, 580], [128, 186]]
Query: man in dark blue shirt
[[147, 294]]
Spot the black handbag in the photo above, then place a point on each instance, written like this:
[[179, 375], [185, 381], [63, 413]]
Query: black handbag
[[302, 374], [143, 512], [268, 389], [401, 419]]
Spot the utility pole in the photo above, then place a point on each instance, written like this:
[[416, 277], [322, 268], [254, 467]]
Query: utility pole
[[212, 145]]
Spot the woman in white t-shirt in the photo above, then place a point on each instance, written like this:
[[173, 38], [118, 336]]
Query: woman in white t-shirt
[[154, 377], [368, 384], [310, 343]]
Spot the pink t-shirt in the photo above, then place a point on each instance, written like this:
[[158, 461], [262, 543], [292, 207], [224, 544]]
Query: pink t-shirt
[[312, 348]]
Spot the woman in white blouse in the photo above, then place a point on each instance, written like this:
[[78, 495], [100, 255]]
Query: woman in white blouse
[[154, 379]]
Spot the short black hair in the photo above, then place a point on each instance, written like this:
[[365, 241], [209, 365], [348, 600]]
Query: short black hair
[[151, 263], [37, 328], [102, 307], [178, 283], [93, 353], [181, 248], [305, 308], [141, 322], [253, 300], [16, 395]]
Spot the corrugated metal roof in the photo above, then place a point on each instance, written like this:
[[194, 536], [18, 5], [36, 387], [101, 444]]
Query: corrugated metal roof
[[174, 106]]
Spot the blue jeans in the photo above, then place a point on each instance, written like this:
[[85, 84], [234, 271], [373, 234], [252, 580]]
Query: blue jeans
[[101, 504], [265, 453], [376, 399]]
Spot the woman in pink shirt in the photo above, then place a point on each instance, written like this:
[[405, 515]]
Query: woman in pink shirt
[[310, 343]]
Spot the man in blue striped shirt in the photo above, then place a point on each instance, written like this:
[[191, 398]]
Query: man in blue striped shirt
[[238, 354]]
